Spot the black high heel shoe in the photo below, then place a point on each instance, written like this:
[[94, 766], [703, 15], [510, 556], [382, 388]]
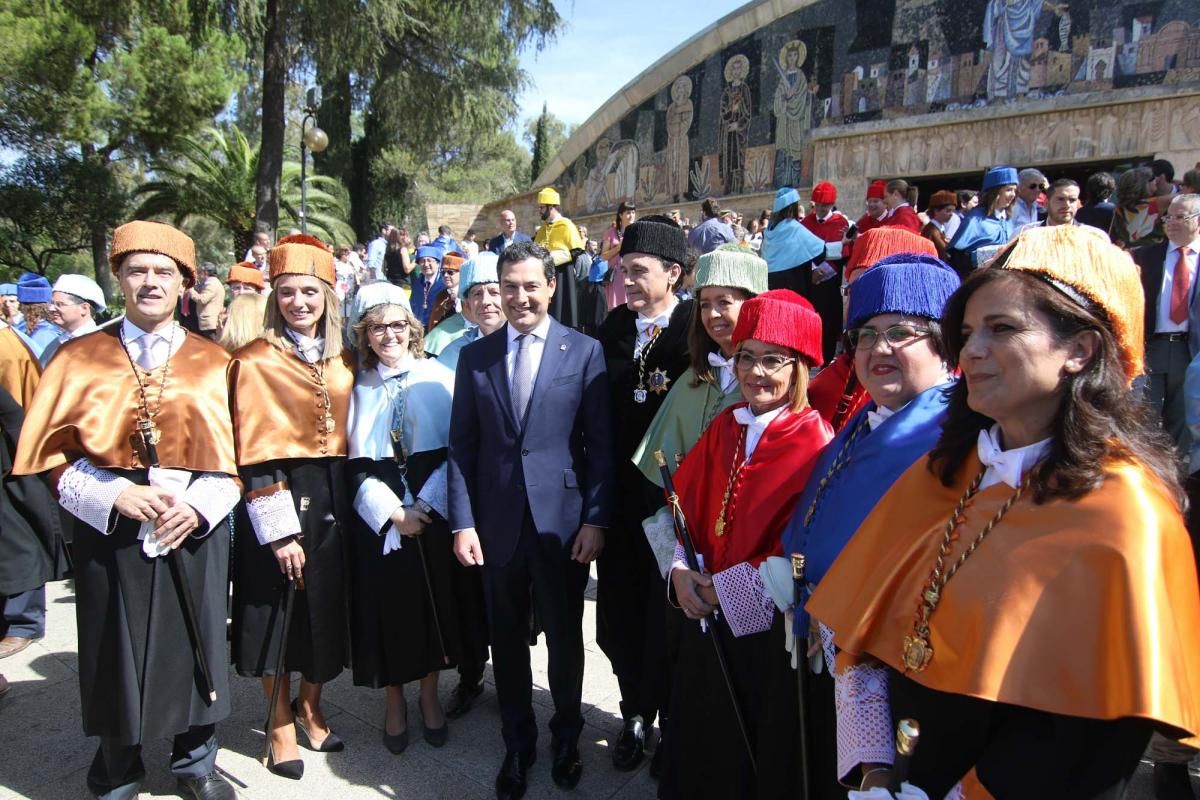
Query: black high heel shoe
[[435, 737], [331, 743], [398, 743], [292, 770]]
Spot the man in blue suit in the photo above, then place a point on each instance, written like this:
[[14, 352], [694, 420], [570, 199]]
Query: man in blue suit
[[530, 493], [509, 235]]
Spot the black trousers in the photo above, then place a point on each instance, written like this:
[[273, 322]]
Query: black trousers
[[542, 567], [117, 769]]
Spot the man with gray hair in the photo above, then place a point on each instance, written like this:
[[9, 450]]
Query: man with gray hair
[[1030, 185], [75, 304]]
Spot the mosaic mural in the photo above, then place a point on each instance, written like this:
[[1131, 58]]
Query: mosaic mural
[[742, 120]]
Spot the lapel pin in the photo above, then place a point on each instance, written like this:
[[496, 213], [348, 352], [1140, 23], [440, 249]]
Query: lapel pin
[[562, 347]]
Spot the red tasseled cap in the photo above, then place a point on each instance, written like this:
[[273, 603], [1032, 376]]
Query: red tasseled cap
[[877, 189], [824, 192], [784, 318]]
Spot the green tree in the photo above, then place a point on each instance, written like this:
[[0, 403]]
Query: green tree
[[114, 82], [545, 136], [213, 177], [48, 204]]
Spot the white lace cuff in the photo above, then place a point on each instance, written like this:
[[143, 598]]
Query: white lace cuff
[[273, 516], [89, 493], [744, 599], [660, 533], [864, 716], [213, 495], [375, 502], [434, 491]]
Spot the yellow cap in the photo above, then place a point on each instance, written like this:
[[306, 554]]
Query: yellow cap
[[549, 197]]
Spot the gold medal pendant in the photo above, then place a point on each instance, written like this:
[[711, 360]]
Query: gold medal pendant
[[328, 425], [639, 395], [917, 652], [659, 381], [151, 435], [719, 528]]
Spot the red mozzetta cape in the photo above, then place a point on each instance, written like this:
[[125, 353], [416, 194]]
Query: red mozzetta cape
[[828, 387], [832, 229], [765, 493], [904, 217]]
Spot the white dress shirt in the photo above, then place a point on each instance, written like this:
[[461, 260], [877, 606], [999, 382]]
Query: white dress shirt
[[536, 346], [1163, 323], [137, 340], [645, 324], [1023, 213], [1007, 466], [310, 348]]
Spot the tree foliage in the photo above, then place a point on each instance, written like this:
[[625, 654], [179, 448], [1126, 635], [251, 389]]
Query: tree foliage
[[545, 135], [212, 176], [539, 156], [47, 205], [111, 82]]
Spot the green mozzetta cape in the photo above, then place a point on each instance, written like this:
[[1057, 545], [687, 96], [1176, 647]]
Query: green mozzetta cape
[[445, 333], [680, 421]]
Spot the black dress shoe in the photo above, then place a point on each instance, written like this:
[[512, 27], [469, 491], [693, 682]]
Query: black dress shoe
[[207, 787], [292, 770], [462, 698], [568, 766], [436, 737], [330, 744], [656, 760], [631, 745], [396, 744], [510, 782]]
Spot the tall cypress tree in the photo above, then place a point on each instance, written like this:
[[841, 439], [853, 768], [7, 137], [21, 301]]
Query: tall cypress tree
[[539, 148]]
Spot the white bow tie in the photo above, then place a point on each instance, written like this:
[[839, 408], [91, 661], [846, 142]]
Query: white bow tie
[[877, 418], [644, 325], [1007, 466], [724, 366], [715, 360]]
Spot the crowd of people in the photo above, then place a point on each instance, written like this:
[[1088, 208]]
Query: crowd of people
[[841, 480]]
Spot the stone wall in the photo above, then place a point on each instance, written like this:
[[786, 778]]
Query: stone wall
[[789, 92]]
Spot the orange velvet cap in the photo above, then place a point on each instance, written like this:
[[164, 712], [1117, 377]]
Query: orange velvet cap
[[142, 236], [302, 255], [246, 272]]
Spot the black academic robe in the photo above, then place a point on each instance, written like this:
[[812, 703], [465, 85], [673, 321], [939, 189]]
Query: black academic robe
[[630, 609], [318, 642], [31, 537], [130, 618], [393, 635]]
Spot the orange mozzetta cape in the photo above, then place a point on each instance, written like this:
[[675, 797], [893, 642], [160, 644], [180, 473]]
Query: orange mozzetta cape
[[278, 406], [19, 370], [87, 405], [1086, 608]]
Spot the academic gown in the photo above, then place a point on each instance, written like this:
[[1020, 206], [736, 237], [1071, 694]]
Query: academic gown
[[1067, 636], [827, 392], [292, 471], [629, 611], [445, 333], [394, 638], [978, 230], [137, 676], [705, 756]]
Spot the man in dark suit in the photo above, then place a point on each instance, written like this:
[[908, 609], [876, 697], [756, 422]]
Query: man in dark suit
[[508, 233], [530, 491], [1172, 327]]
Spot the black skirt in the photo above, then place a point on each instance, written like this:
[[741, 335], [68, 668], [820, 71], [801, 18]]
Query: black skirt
[[393, 633], [705, 755], [318, 643]]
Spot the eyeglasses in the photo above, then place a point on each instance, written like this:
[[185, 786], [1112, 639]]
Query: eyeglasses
[[770, 363], [398, 329], [1179, 217], [61, 304], [896, 335]]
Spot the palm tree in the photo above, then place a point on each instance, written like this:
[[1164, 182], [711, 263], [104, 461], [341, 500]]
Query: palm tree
[[213, 176]]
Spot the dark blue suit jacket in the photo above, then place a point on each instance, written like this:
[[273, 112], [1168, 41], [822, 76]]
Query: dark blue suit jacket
[[496, 243], [558, 462]]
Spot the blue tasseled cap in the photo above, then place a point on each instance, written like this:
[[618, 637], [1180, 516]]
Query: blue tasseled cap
[[999, 176], [905, 283]]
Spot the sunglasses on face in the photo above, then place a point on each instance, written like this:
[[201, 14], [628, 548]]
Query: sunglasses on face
[[895, 335]]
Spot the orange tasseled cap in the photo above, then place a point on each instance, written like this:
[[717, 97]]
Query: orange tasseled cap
[[878, 243], [302, 254], [141, 236]]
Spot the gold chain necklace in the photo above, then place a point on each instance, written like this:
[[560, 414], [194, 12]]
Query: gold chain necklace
[[918, 652], [739, 461], [658, 377], [146, 418], [843, 458]]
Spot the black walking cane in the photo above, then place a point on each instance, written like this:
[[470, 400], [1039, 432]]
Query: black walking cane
[[401, 459], [288, 602], [693, 563], [798, 592], [182, 585]]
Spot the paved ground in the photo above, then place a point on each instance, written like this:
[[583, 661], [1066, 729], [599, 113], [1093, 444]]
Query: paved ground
[[44, 755]]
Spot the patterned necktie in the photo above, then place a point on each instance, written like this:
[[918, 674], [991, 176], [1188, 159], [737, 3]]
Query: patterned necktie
[[522, 376], [1180, 289]]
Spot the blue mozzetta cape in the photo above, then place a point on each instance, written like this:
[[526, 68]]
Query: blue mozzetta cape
[[878, 458], [790, 244], [979, 230]]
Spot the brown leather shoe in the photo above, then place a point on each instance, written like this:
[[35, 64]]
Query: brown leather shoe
[[11, 645]]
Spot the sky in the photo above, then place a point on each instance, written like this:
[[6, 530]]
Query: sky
[[605, 44]]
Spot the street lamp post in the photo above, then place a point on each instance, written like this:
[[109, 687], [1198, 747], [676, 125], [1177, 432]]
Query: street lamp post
[[313, 139]]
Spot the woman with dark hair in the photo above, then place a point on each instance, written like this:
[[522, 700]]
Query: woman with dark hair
[[894, 338], [988, 227], [967, 200], [1097, 209], [289, 391], [1030, 587], [396, 264], [901, 200], [610, 251], [737, 488], [410, 619], [790, 249], [1136, 220]]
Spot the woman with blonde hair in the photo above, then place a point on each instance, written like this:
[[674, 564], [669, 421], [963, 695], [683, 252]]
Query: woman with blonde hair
[[289, 391], [412, 613], [242, 322]]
